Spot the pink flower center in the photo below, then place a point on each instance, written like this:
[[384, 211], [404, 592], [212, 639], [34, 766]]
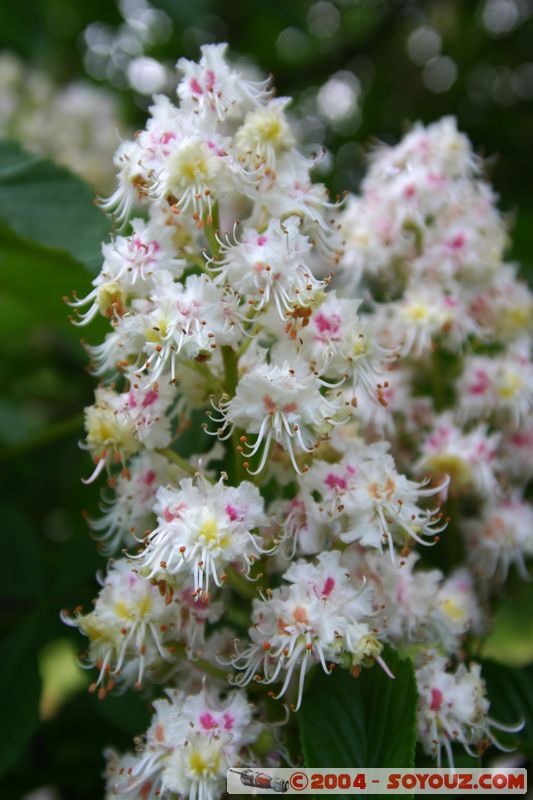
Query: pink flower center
[[232, 512], [195, 87], [481, 383], [335, 481], [150, 398], [228, 721], [458, 241], [149, 477], [436, 699], [325, 324], [207, 721]]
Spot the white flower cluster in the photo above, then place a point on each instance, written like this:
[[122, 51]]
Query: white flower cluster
[[426, 238], [76, 125], [337, 442], [452, 707], [192, 741]]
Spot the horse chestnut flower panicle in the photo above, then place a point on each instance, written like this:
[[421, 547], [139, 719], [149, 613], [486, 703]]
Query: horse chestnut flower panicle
[[221, 298]]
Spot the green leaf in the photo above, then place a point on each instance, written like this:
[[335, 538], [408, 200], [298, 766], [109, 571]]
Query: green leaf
[[49, 205], [20, 689], [510, 692], [369, 721], [34, 281]]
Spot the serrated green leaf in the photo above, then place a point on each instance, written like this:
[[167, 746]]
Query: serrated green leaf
[[49, 205], [369, 721]]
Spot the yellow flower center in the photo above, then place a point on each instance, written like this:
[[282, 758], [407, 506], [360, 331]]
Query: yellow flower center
[[200, 764], [209, 529], [452, 465], [453, 610], [510, 386], [192, 164], [416, 312]]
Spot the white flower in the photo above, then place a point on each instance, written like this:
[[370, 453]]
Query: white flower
[[452, 707], [291, 193], [466, 237], [470, 459], [212, 85], [281, 402], [74, 124], [132, 183], [515, 453], [202, 528], [318, 617], [500, 537], [131, 622], [304, 532], [128, 514], [219, 297], [500, 386], [187, 162], [416, 605], [133, 265], [340, 342], [197, 173], [179, 322], [187, 319], [424, 215], [190, 744], [426, 314], [119, 425], [365, 499], [439, 147], [455, 610], [403, 596], [117, 774], [266, 139], [397, 409], [505, 306], [270, 266]]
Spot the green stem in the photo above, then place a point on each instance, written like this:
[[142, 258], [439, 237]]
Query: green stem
[[171, 455], [54, 432], [230, 360], [240, 585], [231, 371], [203, 370], [211, 229]]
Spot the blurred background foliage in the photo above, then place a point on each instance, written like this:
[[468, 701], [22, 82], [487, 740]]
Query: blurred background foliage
[[360, 70]]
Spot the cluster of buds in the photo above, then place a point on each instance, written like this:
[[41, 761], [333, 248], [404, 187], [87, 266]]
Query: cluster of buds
[[339, 434]]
